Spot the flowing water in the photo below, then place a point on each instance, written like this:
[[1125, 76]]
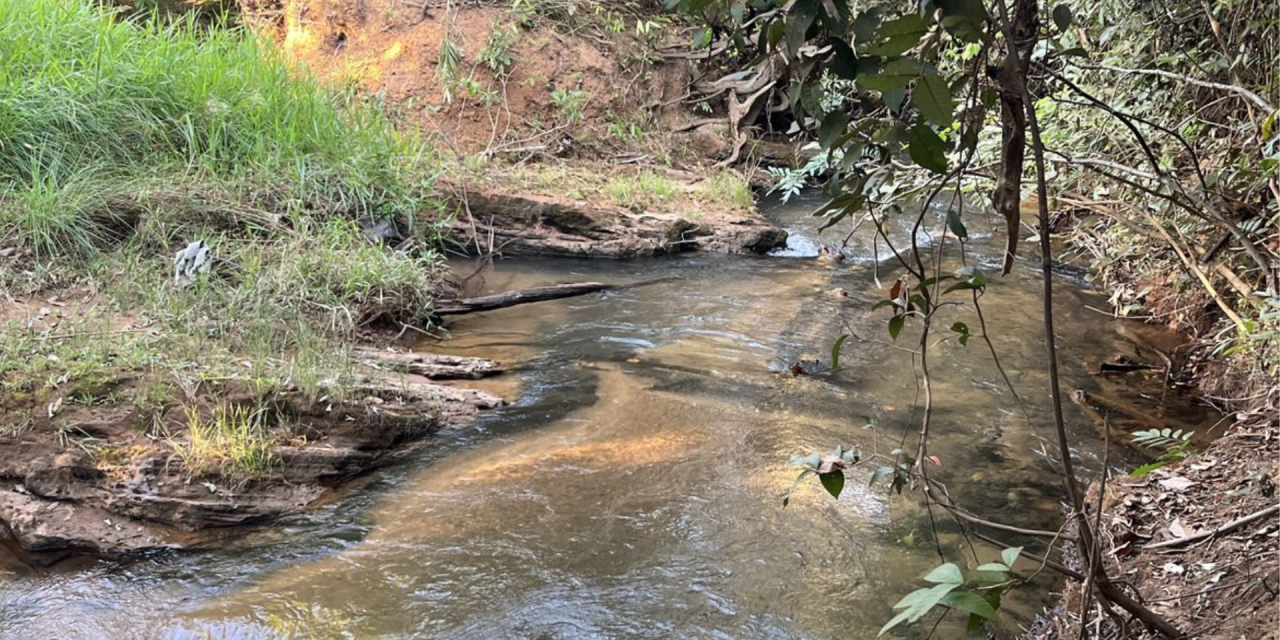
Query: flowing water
[[632, 489]]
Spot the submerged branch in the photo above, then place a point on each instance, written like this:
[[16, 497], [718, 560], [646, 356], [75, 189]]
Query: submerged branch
[[513, 298]]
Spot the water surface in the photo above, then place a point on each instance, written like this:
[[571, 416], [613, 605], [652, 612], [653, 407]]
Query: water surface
[[632, 489]]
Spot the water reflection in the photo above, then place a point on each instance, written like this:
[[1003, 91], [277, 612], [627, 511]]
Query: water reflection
[[633, 489]]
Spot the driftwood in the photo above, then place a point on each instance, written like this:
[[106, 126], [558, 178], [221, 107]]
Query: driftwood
[[513, 298], [431, 366], [535, 294], [1119, 413], [1125, 365]]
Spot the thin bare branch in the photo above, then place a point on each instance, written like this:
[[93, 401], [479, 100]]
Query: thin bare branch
[[1240, 91]]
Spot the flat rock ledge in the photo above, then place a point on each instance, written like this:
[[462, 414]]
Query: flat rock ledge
[[511, 224], [58, 499]]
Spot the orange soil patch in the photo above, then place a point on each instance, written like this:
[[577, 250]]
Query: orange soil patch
[[391, 50]]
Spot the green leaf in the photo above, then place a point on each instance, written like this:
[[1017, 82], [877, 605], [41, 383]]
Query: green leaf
[[993, 567], [956, 225], [1268, 125], [947, 573], [835, 351], [833, 482], [1062, 17], [969, 602], [833, 126], [865, 25], [926, 149], [916, 604], [894, 98], [960, 286], [895, 75], [992, 596], [802, 16], [895, 326], [963, 330], [1010, 556], [736, 10], [983, 577], [844, 62], [880, 474], [1074, 51], [777, 29], [1149, 467], [900, 34], [932, 97]]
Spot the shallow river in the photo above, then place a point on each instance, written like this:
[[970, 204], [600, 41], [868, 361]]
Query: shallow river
[[632, 490]]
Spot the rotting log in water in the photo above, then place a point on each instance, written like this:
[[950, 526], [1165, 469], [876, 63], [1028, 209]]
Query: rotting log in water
[[525, 296], [520, 296]]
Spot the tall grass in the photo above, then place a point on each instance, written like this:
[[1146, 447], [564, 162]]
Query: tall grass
[[235, 441], [122, 137], [90, 97]]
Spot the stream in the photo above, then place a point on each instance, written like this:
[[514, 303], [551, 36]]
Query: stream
[[633, 487]]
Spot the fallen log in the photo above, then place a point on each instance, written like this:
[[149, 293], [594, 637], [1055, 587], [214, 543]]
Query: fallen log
[[535, 294], [513, 298], [430, 366]]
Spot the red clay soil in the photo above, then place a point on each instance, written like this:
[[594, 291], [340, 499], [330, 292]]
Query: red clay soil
[[390, 49]]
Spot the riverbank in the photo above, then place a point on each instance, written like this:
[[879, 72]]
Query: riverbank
[[147, 403], [152, 404]]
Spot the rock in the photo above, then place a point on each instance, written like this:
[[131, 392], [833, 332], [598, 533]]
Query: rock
[[44, 525]]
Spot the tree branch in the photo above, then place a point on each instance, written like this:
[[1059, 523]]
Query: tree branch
[[1240, 91]]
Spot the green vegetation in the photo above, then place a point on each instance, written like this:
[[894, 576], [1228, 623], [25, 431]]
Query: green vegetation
[[235, 440], [1161, 143], [497, 54], [127, 138], [727, 186], [646, 190], [569, 104]]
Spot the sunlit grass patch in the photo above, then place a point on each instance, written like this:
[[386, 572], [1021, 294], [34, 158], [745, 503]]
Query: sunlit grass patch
[[233, 440]]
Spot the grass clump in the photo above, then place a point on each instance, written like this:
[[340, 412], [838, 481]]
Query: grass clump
[[727, 187], [234, 440], [644, 190]]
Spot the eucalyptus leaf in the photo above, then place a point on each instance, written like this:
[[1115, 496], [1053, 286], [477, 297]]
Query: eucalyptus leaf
[[835, 351], [956, 225], [844, 62], [895, 326], [833, 126]]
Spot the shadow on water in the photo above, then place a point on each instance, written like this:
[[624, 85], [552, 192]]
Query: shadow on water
[[632, 488]]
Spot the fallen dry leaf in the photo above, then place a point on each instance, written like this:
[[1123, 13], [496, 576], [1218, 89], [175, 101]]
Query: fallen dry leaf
[[1176, 483]]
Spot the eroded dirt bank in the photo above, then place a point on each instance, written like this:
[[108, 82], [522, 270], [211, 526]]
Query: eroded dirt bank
[[560, 132], [111, 478]]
